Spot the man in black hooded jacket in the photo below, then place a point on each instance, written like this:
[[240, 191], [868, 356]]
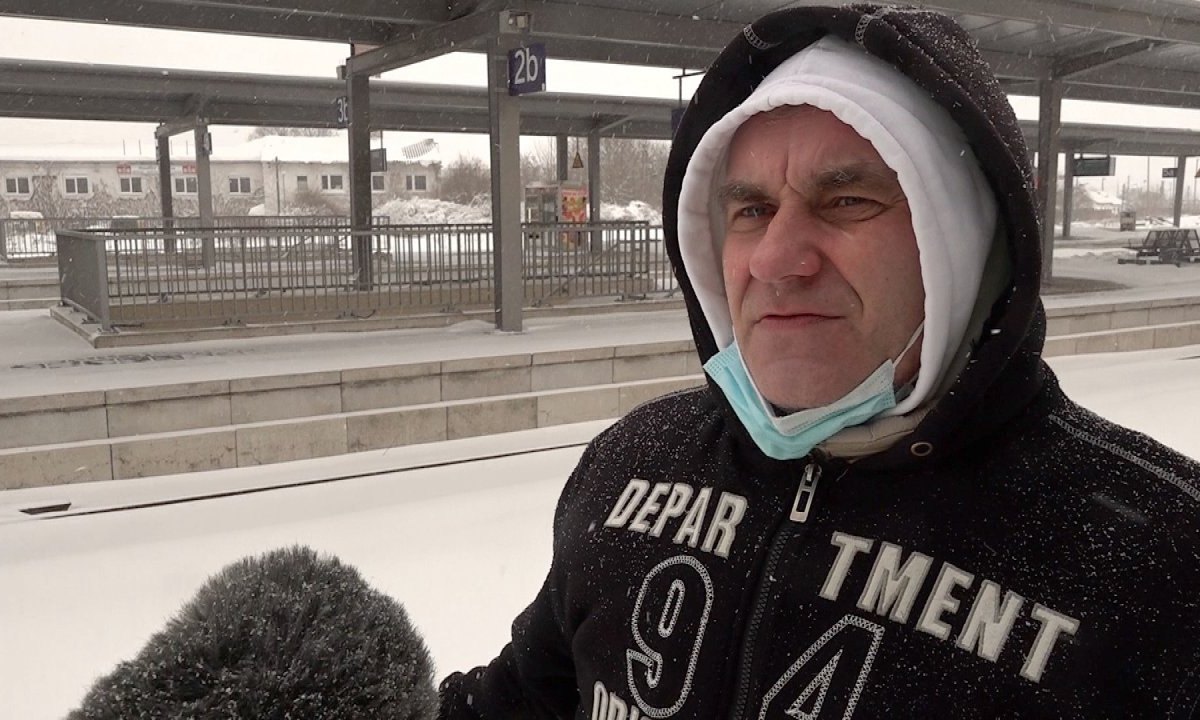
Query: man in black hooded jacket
[[881, 505]]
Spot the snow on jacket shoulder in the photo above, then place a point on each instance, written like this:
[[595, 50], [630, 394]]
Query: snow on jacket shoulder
[[1014, 556]]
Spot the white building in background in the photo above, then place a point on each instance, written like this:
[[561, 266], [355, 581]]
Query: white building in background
[[270, 176]]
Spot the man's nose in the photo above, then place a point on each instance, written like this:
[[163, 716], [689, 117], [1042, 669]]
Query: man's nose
[[788, 248]]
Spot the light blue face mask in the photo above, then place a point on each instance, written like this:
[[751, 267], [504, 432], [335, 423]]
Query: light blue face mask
[[795, 435]]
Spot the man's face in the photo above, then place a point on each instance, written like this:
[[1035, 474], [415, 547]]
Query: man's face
[[820, 260]]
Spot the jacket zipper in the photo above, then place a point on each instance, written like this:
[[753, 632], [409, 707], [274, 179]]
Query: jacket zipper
[[801, 507]]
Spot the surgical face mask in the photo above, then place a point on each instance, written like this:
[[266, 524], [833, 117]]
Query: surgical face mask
[[795, 435]]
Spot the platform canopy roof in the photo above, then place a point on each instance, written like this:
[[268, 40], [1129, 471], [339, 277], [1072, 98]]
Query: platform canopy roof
[[77, 91], [1116, 50]]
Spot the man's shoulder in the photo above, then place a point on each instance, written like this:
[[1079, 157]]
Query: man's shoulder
[[683, 407], [1148, 488], [1117, 452], [673, 418]]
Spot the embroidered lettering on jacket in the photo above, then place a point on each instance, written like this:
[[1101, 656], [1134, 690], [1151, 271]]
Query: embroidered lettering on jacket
[[680, 512], [607, 705], [895, 581]]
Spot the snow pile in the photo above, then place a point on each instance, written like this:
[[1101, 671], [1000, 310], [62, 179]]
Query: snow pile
[[635, 210], [428, 211], [1099, 198], [419, 211]]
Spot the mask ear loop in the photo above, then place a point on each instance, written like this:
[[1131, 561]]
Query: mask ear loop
[[905, 391], [911, 341]]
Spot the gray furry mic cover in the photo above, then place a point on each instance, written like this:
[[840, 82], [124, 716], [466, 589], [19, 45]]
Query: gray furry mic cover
[[289, 634]]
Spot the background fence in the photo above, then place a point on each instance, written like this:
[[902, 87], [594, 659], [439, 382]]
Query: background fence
[[234, 275], [33, 238]]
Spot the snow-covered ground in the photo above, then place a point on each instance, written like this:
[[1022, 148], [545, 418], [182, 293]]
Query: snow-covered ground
[[36, 239], [463, 543]]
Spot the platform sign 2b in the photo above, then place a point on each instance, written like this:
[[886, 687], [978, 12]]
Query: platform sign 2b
[[527, 69]]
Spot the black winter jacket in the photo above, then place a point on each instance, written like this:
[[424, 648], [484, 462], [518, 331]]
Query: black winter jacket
[[1015, 556]]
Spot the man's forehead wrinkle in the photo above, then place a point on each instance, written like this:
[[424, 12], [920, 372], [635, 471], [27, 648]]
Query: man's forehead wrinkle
[[864, 173], [740, 191]]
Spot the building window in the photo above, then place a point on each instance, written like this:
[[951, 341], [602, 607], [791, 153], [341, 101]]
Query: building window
[[185, 185], [414, 182], [377, 183], [301, 183], [331, 183], [16, 186], [131, 186], [77, 186], [239, 186]]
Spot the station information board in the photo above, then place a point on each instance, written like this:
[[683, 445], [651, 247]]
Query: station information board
[[1094, 166]]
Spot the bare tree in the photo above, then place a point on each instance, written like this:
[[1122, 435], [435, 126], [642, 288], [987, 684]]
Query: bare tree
[[538, 163], [263, 131], [465, 179], [633, 170]]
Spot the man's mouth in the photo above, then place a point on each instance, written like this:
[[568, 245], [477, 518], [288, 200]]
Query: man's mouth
[[793, 319]]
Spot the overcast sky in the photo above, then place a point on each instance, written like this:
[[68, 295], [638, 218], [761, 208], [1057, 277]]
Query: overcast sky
[[117, 45]]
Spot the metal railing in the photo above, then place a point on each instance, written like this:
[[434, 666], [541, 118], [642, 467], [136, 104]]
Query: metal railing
[[33, 238], [232, 275], [569, 260]]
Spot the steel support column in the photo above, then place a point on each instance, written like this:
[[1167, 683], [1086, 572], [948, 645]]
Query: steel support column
[[1068, 191], [593, 174], [166, 189], [1049, 124], [358, 89], [595, 191], [1181, 165], [562, 158], [204, 192], [505, 138]]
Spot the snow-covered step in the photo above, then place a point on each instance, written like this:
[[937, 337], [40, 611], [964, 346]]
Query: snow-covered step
[[1090, 314], [28, 303], [259, 443], [1148, 337], [28, 293], [122, 412]]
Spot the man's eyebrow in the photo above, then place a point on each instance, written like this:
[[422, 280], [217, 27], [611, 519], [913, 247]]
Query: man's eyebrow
[[859, 174], [738, 191]]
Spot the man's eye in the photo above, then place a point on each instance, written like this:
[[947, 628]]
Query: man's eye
[[854, 208], [751, 212]]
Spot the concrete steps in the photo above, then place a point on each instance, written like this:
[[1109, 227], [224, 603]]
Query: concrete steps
[[160, 430], [28, 293], [145, 431], [1122, 326]]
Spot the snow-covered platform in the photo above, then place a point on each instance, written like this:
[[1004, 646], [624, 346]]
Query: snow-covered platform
[[460, 532], [71, 413]]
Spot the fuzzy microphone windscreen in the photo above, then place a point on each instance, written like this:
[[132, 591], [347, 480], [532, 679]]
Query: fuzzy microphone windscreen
[[289, 634]]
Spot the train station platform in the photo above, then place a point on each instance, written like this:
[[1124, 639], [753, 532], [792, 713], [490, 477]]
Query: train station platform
[[72, 413]]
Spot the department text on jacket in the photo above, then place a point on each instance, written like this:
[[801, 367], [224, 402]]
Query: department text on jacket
[[891, 590], [643, 508]]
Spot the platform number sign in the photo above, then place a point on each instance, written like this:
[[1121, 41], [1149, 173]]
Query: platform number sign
[[527, 69], [342, 111]]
